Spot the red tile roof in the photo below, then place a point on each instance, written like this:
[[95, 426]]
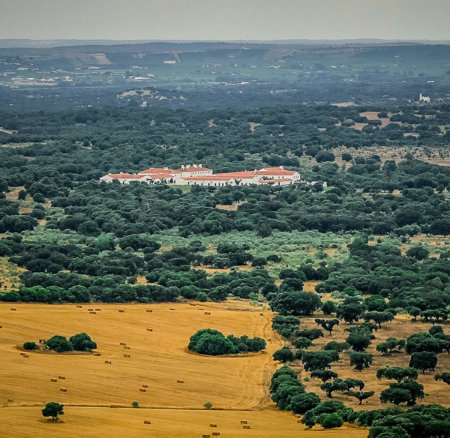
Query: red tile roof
[[222, 177], [274, 180], [246, 174], [275, 171], [158, 170], [125, 176]]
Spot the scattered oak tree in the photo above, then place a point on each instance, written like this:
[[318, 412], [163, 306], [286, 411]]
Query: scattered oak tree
[[53, 410], [360, 360]]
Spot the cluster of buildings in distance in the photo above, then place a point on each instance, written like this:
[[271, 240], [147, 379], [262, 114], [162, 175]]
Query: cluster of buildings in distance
[[197, 175]]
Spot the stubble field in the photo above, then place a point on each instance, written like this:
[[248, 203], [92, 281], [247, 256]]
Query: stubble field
[[98, 395]]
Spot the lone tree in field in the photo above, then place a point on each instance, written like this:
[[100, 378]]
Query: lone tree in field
[[327, 324], [360, 360], [53, 410]]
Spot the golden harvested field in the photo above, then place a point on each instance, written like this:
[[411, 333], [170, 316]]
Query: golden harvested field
[[157, 358], [400, 328], [129, 423], [178, 383]]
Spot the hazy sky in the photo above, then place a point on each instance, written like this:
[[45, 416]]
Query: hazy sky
[[224, 19]]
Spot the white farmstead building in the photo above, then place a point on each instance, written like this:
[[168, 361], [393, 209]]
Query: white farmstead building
[[197, 175]]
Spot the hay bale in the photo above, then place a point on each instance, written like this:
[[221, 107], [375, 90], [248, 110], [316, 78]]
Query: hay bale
[[61, 377], [205, 436], [172, 308], [63, 389], [149, 310], [123, 343], [1, 326], [142, 390], [216, 434], [149, 329], [180, 381], [13, 309], [121, 310], [10, 400], [207, 313], [53, 380], [213, 425], [261, 314], [97, 354], [147, 422], [126, 347], [108, 362], [98, 310], [79, 306], [246, 426], [93, 313], [90, 310], [243, 421], [144, 385], [127, 355]]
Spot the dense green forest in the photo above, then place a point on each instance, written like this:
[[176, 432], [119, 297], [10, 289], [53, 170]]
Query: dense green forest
[[364, 224], [80, 240]]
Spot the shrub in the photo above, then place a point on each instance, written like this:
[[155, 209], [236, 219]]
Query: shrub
[[331, 421], [59, 343], [135, 404], [284, 355], [301, 403], [30, 346], [82, 342]]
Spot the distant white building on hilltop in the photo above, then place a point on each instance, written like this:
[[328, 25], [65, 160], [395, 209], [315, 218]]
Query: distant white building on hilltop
[[197, 175], [423, 98]]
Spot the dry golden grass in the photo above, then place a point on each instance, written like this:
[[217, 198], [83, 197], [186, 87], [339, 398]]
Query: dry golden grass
[[213, 271], [115, 423], [158, 357], [232, 207], [400, 328], [98, 394]]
